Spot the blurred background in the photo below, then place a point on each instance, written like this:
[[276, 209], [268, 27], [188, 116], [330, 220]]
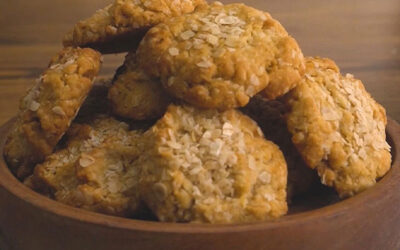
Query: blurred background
[[362, 36]]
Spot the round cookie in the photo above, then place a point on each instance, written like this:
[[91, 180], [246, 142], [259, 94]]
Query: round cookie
[[270, 116], [207, 166], [135, 95], [338, 128], [221, 55], [48, 108], [94, 170], [120, 26]]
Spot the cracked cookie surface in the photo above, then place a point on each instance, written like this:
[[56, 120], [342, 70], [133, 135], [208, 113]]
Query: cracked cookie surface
[[48, 108], [120, 26], [338, 128], [214, 167], [221, 55], [94, 170]]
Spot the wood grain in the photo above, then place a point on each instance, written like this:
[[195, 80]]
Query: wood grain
[[362, 36]]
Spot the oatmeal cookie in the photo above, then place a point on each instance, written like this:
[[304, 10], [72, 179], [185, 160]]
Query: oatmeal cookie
[[48, 108], [210, 166], [94, 171], [270, 116], [338, 128], [220, 56], [135, 95], [120, 26]]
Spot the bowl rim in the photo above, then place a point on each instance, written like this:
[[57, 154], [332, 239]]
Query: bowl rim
[[371, 196]]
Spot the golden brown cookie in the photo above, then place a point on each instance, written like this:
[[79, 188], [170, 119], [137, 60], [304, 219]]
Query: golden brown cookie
[[220, 56], [120, 26], [270, 116], [94, 170], [135, 95], [207, 166], [48, 108], [338, 128]]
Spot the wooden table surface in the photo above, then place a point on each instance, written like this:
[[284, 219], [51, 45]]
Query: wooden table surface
[[362, 36]]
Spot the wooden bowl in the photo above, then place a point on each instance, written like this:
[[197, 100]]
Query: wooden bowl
[[370, 220]]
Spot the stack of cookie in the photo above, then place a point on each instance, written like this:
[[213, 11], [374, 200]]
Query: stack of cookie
[[214, 117]]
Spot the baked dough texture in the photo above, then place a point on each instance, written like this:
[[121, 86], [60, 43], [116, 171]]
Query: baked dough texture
[[121, 25], [47, 110], [338, 128], [214, 167], [221, 55], [95, 169], [136, 95]]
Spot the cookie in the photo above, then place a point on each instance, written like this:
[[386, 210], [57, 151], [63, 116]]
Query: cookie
[[207, 166], [338, 128], [48, 108], [120, 26], [221, 55], [94, 171], [135, 95], [270, 116]]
